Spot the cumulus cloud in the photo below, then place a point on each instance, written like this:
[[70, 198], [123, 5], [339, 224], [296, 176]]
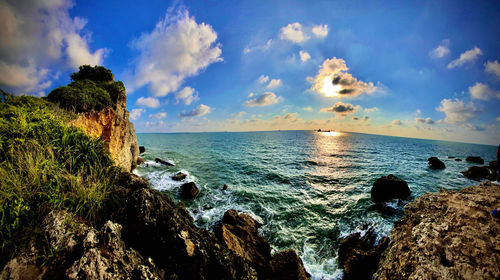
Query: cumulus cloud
[[159, 116], [176, 49], [135, 114], [320, 31], [493, 67], [293, 32], [273, 83], [148, 102], [426, 120], [468, 56], [370, 110], [197, 112], [36, 35], [396, 122], [483, 92], [263, 79], [341, 108], [187, 95], [457, 111], [441, 50], [333, 80], [304, 56], [265, 99]]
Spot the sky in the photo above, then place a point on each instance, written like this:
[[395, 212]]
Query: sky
[[424, 69]]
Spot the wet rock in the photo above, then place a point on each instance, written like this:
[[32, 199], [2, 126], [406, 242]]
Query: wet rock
[[207, 207], [188, 190], [478, 160], [477, 173], [239, 232], [389, 187], [164, 162], [457, 159], [451, 157], [142, 149], [179, 176], [435, 163], [140, 161], [493, 165], [359, 256], [225, 187], [288, 265], [446, 235]]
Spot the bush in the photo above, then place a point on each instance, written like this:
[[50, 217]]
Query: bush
[[81, 96], [96, 74]]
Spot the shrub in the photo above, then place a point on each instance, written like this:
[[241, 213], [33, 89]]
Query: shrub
[[96, 74], [81, 96]]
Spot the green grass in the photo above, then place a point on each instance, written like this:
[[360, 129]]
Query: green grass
[[44, 166]]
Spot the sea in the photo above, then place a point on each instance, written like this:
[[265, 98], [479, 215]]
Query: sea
[[309, 189]]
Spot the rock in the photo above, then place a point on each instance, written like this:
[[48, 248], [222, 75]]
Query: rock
[[140, 161], [446, 235], [435, 163], [164, 162], [493, 165], [457, 159], [131, 181], [288, 265], [188, 190], [359, 256], [142, 149], [179, 176], [112, 125], [207, 207], [389, 187], [477, 173], [448, 156], [163, 230], [239, 232], [225, 187], [478, 160]]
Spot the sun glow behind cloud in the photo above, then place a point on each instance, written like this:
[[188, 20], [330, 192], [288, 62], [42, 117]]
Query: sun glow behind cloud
[[329, 89]]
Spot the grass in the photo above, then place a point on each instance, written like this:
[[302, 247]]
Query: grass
[[45, 166]]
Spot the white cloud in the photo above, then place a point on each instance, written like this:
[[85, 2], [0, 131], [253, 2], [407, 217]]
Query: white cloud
[[483, 92], [250, 94], [197, 112], [293, 32], [159, 116], [371, 110], [320, 31], [333, 80], [177, 48], [264, 47], [304, 56], [188, 95], [468, 56], [457, 111], [309, 108], [396, 122], [441, 50], [37, 35], [493, 67], [341, 108], [148, 102], [263, 79], [135, 114], [426, 120], [265, 99], [274, 83]]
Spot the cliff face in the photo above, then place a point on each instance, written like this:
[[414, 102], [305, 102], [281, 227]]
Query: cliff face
[[114, 127], [446, 235]]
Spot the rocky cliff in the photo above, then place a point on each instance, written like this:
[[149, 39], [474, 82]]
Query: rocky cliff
[[113, 126], [446, 235]]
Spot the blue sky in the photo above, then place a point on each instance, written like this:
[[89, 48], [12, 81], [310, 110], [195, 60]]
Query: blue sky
[[427, 69]]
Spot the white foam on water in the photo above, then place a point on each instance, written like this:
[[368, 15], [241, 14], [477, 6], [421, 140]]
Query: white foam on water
[[326, 269]]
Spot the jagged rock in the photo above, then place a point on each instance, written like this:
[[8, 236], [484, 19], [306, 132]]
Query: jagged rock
[[140, 161], [389, 187], [179, 176], [288, 265], [142, 149], [446, 235], [132, 181], [164, 162], [493, 165], [477, 173], [225, 187], [188, 190], [478, 160], [359, 256], [113, 126], [457, 159], [163, 230], [435, 163]]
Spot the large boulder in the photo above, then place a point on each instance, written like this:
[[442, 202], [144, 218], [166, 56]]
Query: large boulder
[[164, 162], [179, 176], [188, 190], [477, 160], [477, 173], [288, 265], [435, 163], [389, 187], [142, 149], [359, 255]]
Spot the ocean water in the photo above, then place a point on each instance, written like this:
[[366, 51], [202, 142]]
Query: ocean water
[[309, 189]]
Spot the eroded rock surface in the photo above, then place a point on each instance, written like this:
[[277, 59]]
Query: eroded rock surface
[[446, 235]]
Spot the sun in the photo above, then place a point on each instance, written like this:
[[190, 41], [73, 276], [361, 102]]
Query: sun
[[329, 89]]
